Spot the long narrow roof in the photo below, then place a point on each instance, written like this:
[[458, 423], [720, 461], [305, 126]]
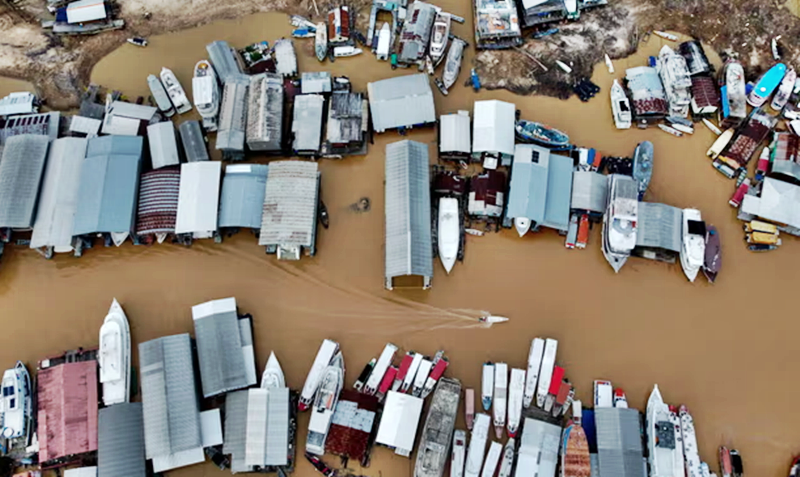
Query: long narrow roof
[[163, 144], [223, 57], [401, 101], [527, 197], [86, 11], [21, 172], [120, 449], [242, 198], [589, 191], [559, 193], [194, 145], [493, 127], [454, 134], [198, 201], [21, 102], [307, 122], [290, 204], [659, 226], [257, 428], [265, 112], [233, 115], [619, 442], [158, 201]]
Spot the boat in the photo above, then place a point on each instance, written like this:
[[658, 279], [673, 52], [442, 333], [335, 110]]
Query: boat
[[661, 438], [522, 225], [492, 319], [16, 405], [712, 127], [507, 462], [440, 364], [682, 128], [766, 85], [733, 92], [362, 378], [301, 22], [206, 94], [321, 42], [774, 47], [324, 218], [459, 453], [794, 470], [603, 394], [693, 243], [690, 455], [175, 91], [546, 371], [320, 466], [500, 399], [475, 80], [719, 145], [304, 32], [492, 459], [422, 375], [160, 96], [439, 37], [665, 35], [620, 220], [566, 393], [620, 107], [516, 390], [713, 254], [736, 463], [487, 385], [564, 67], [575, 459], [384, 361], [327, 396], [448, 232], [643, 166], [477, 445], [531, 131], [670, 130], [572, 10], [452, 66], [610, 66], [324, 356], [555, 386], [469, 407], [346, 51], [725, 465], [273, 377], [114, 356], [408, 380], [784, 91], [534, 363], [386, 384], [137, 41], [620, 400], [285, 57], [384, 42], [402, 370], [475, 232], [432, 455], [678, 461], [674, 74]]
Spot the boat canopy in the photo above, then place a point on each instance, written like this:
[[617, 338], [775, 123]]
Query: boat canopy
[[527, 196], [291, 199], [493, 127], [242, 199], [659, 226], [21, 171], [454, 133], [402, 101], [399, 422], [163, 144], [257, 428], [158, 201], [619, 442], [559, 193], [194, 144], [120, 441], [265, 112], [198, 201], [307, 122], [589, 191]]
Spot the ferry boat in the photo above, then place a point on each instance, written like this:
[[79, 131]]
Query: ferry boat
[[575, 459], [176, 93], [534, 364], [725, 465], [620, 399], [432, 455], [114, 357], [324, 356], [507, 462], [160, 96], [713, 254], [620, 220], [324, 405], [661, 441], [693, 243], [784, 91], [16, 405], [459, 453], [272, 377], [620, 107], [766, 85], [734, 96], [321, 42], [546, 371], [384, 361], [448, 232], [487, 385], [452, 66], [530, 131], [500, 401], [643, 166], [477, 445], [206, 94], [439, 37], [469, 407], [492, 459], [516, 390], [690, 455]]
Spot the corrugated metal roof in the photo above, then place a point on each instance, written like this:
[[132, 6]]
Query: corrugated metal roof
[[559, 193], [158, 201], [416, 32], [278, 427], [493, 127], [198, 203], [346, 118], [21, 102], [401, 101], [290, 204], [257, 428], [265, 112], [659, 226], [223, 58], [194, 145], [235, 428], [528, 190], [159, 93], [58, 200], [132, 110], [43, 123], [121, 126], [163, 144], [408, 210], [86, 11], [538, 449], [307, 122], [589, 191], [454, 133], [67, 417], [232, 116], [619, 442], [315, 82], [120, 446], [81, 472], [84, 125], [779, 202], [285, 57], [226, 362], [242, 199], [21, 172]]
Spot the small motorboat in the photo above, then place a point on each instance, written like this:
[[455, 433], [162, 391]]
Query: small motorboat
[[16, 404], [610, 66], [138, 41], [115, 356], [273, 376], [534, 365], [345, 51], [160, 96], [784, 91], [321, 42], [323, 215], [620, 399], [320, 466], [507, 462], [448, 232], [713, 254], [176, 93], [475, 80], [693, 244], [620, 107], [725, 465], [766, 85], [522, 224], [670, 130], [531, 131], [500, 400], [492, 319], [487, 385], [643, 166], [477, 446], [206, 94], [452, 67], [734, 97], [324, 405], [384, 42], [439, 37], [459, 453], [665, 35]]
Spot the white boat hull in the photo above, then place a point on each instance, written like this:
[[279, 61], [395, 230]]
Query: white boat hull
[[273, 376], [115, 356], [459, 454], [448, 232], [523, 225], [534, 363], [500, 399], [175, 91]]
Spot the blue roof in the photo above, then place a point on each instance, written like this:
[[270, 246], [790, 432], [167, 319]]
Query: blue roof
[[559, 193], [529, 181], [242, 198]]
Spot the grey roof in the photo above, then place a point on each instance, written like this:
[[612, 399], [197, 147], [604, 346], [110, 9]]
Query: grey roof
[[265, 112], [589, 191], [223, 58], [169, 396], [109, 185], [454, 133], [194, 145], [132, 110], [346, 118], [21, 172], [43, 123], [401, 101], [315, 82], [659, 226], [290, 204], [408, 210], [527, 196], [163, 144], [416, 32], [242, 198], [559, 193], [307, 122], [233, 115], [538, 449], [263, 445], [120, 441], [224, 347], [619, 442]]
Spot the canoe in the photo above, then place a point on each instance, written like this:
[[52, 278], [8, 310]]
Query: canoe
[[531, 131]]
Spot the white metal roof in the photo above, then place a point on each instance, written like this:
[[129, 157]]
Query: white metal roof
[[81, 472], [163, 144], [307, 122], [454, 133], [198, 200], [290, 204], [401, 101], [779, 202], [120, 126], [400, 420], [131, 110], [17, 103], [493, 127], [203, 89], [84, 125], [86, 11]]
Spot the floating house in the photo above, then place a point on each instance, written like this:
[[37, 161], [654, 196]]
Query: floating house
[[401, 102], [352, 425], [778, 203], [454, 136], [198, 199], [194, 143], [408, 213], [158, 204], [127, 119], [257, 429], [313, 82], [225, 60], [242, 199], [21, 172], [589, 192], [785, 160], [120, 441], [496, 24], [487, 195], [108, 187], [265, 113], [307, 124], [538, 448], [46, 124], [233, 119], [399, 422], [647, 94], [658, 233], [619, 442], [163, 145], [559, 193], [291, 201], [416, 33], [55, 215], [348, 122], [493, 132], [22, 102]]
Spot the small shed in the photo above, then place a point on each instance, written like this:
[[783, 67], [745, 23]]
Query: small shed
[[312, 82], [224, 347], [85, 11], [194, 143], [619, 442], [127, 119], [589, 191], [57, 207], [120, 441], [257, 428], [21, 171], [493, 130], [84, 126], [265, 113], [658, 233], [454, 136], [242, 198], [408, 249], [307, 123], [21, 102], [527, 197], [158, 202], [233, 118], [198, 200], [401, 102], [399, 422], [163, 145], [225, 60], [559, 193], [487, 194]]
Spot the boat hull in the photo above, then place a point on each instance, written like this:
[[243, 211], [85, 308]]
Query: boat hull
[[115, 356], [538, 133], [713, 254], [448, 232], [453, 64], [175, 91], [766, 85]]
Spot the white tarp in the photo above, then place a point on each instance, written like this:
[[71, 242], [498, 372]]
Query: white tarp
[[779, 203], [400, 420], [454, 133], [198, 199]]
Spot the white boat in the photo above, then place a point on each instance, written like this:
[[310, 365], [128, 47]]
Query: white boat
[[571, 6], [452, 67], [16, 404], [384, 42], [206, 94], [321, 41], [459, 453], [345, 51], [693, 243], [678, 462], [160, 96], [661, 441], [675, 77], [376, 376], [712, 127], [324, 405], [508, 459], [492, 459], [273, 376], [516, 389], [534, 363], [690, 453], [115, 356], [546, 371], [784, 91], [500, 400], [448, 232], [609, 65], [522, 224], [620, 219], [439, 37], [665, 35], [670, 130], [492, 319], [603, 394], [477, 445], [487, 386], [323, 358], [408, 380], [175, 91], [620, 107], [421, 378]]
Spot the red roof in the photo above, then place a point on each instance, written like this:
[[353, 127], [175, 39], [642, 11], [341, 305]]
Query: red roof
[[67, 410]]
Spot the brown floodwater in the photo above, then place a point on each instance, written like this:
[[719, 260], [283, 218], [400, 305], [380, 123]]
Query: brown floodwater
[[727, 351]]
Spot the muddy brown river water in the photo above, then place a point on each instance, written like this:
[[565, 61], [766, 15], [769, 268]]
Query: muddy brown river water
[[727, 351]]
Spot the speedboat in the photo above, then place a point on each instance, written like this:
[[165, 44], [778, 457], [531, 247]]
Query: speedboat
[[115, 356], [492, 319], [16, 405], [452, 67], [439, 37], [432, 454], [693, 243], [531, 131], [620, 106], [324, 405], [643, 166], [620, 220], [487, 385], [522, 224], [321, 42], [324, 356], [205, 91], [448, 232], [160, 96], [784, 91], [661, 442], [690, 454], [500, 400], [176, 93], [766, 85], [713, 254], [137, 41], [273, 377], [507, 462], [516, 390], [459, 453]]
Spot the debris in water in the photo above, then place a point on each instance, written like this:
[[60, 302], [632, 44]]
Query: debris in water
[[666, 36], [712, 127]]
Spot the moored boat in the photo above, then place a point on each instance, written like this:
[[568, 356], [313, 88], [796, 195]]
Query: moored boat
[[575, 459], [693, 243], [114, 357], [452, 66], [346, 51], [206, 94], [16, 403], [492, 459], [532, 376], [439, 37], [546, 371], [273, 377], [492, 319], [531, 131], [676, 80], [326, 351], [469, 407], [362, 378], [670, 130], [381, 366], [175, 91], [766, 85], [487, 385], [784, 91], [620, 399], [620, 220], [437, 433], [321, 42], [448, 232], [643, 166], [690, 454], [459, 453], [713, 254], [620, 107], [500, 399], [507, 462], [137, 41], [516, 390], [661, 441], [160, 96], [477, 445], [734, 97], [324, 405], [522, 225], [678, 461], [725, 466]]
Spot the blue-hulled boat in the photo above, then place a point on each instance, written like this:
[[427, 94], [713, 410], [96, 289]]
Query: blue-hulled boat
[[539, 133], [643, 166], [766, 85]]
